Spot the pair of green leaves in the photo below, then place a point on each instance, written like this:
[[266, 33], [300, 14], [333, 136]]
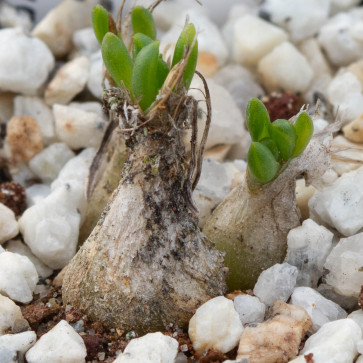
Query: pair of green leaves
[[276, 143], [143, 72]]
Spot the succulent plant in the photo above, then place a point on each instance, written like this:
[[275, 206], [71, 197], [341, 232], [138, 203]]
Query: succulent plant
[[275, 143]]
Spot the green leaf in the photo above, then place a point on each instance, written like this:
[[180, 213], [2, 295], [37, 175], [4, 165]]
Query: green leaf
[[100, 22], [261, 163], [283, 134], [143, 22], [268, 142], [304, 128], [140, 40], [185, 41], [257, 119], [117, 60], [162, 72], [145, 75]]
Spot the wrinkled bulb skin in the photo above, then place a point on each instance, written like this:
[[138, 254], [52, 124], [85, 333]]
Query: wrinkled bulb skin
[[142, 71], [274, 144]]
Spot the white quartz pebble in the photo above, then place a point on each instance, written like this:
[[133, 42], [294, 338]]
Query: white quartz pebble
[[14, 346], [51, 227], [36, 193], [345, 93], [57, 27], [48, 163], [335, 342], [150, 348], [341, 204], [339, 39], [25, 62], [61, 344], [276, 283], [94, 83], [215, 324], [85, 41], [18, 277], [16, 246], [320, 309], [357, 316], [69, 80], [209, 37], [301, 18], [307, 249], [227, 120], [9, 227], [9, 312], [249, 308], [285, 68], [78, 128], [213, 186], [344, 264], [254, 38]]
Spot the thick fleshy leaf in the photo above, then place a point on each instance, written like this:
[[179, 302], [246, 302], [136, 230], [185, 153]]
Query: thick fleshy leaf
[[257, 119], [282, 132], [185, 41], [140, 40], [100, 22], [304, 128], [117, 60], [261, 163], [162, 72], [272, 146], [143, 22], [145, 75]]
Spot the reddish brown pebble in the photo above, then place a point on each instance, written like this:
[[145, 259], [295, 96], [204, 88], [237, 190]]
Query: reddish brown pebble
[[25, 138], [12, 194], [73, 315], [35, 314], [281, 105], [93, 345], [309, 358]]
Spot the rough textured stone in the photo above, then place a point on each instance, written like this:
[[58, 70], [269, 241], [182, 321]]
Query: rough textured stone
[[285, 68], [69, 80], [320, 309], [36, 108], [341, 204], [276, 283], [305, 17], [48, 163], [344, 264], [307, 248], [216, 324], [249, 308], [25, 138], [25, 62], [151, 348], [78, 128], [254, 38], [51, 346], [57, 27], [18, 277], [9, 313], [335, 342], [277, 339], [16, 246], [8, 224]]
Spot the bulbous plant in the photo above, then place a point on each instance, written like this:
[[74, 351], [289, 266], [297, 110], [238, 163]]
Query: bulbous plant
[[146, 264], [252, 223]]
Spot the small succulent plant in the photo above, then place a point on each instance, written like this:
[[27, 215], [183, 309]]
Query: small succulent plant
[[275, 143], [142, 71]]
